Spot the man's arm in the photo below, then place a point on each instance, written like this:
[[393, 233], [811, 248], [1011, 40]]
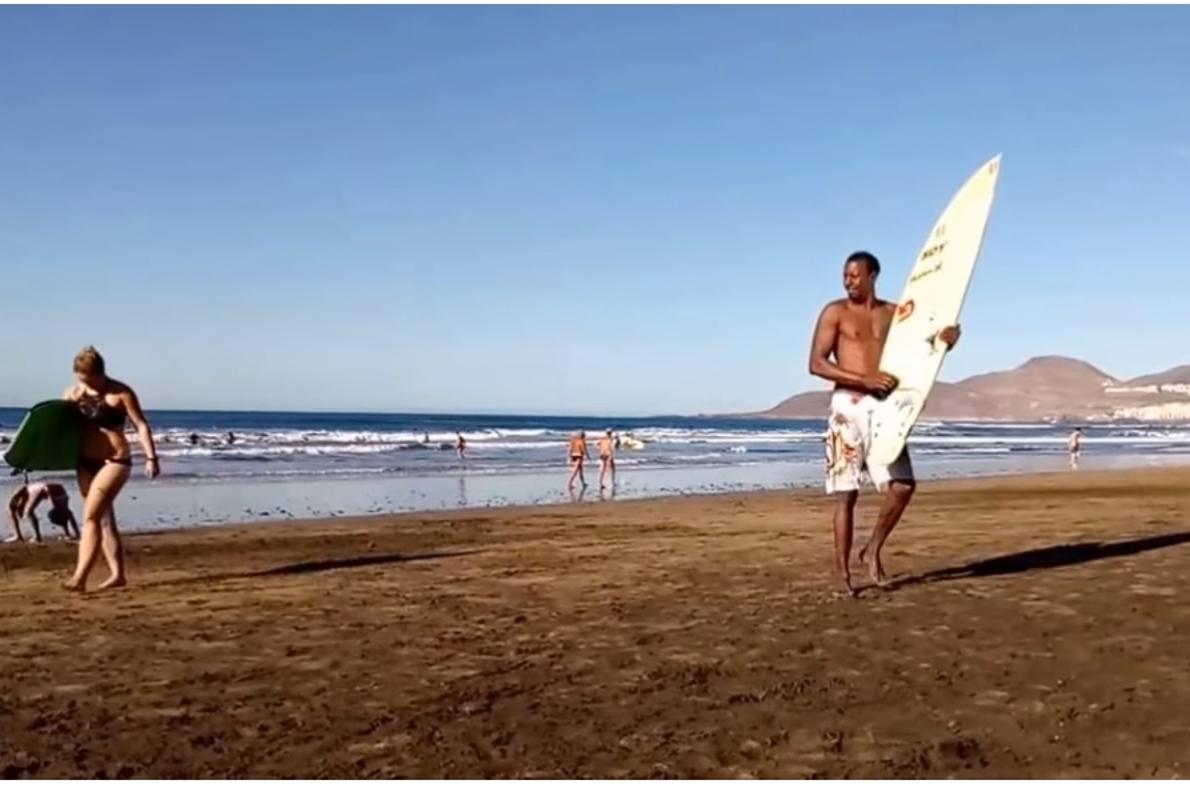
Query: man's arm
[[826, 333]]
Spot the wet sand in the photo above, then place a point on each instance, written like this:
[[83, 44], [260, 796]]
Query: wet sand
[[1040, 631]]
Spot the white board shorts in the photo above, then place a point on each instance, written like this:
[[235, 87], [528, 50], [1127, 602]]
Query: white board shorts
[[848, 437]]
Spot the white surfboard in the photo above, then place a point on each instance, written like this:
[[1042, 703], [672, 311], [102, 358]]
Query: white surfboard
[[931, 301]]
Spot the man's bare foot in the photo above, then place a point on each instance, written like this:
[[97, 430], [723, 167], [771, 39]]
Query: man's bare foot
[[875, 569], [114, 582], [75, 585], [845, 586], [11, 539], [862, 556]]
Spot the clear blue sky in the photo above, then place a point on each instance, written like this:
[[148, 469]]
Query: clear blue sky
[[621, 210]]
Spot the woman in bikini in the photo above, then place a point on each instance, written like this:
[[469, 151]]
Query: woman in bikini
[[607, 460], [105, 462], [578, 455]]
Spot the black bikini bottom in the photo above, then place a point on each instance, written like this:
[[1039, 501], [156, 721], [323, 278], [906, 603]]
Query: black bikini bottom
[[95, 464]]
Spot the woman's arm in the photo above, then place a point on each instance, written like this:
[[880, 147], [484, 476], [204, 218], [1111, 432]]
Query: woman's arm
[[143, 432]]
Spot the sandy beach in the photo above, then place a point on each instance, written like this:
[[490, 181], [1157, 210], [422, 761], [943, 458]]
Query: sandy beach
[[1038, 631]]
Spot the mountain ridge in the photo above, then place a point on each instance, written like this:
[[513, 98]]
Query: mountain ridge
[[1045, 387]]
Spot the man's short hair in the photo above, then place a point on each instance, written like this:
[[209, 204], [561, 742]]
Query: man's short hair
[[867, 259]]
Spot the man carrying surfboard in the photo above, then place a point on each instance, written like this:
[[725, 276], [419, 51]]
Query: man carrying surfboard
[[848, 342]]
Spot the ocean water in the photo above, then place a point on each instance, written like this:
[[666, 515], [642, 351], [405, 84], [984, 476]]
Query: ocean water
[[309, 465]]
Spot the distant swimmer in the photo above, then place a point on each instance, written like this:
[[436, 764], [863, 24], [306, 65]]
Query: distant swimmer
[[105, 463], [24, 502], [1074, 444], [230, 438], [578, 454], [852, 332], [607, 458], [193, 439], [460, 445]]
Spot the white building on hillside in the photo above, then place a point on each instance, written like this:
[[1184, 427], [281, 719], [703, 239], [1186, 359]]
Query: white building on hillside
[[1160, 412]]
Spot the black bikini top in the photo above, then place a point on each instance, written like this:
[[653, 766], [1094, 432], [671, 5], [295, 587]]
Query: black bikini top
[[103, 414]]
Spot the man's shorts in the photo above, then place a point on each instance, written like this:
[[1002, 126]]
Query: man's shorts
[[848, 437]]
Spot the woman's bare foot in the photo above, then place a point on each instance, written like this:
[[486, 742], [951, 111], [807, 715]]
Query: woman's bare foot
[[114, 582], [75, 585]]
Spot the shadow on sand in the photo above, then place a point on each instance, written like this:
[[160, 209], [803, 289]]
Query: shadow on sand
[[320, 565], [1063, 555]]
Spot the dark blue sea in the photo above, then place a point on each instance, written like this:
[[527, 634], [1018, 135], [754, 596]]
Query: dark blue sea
[[220, 466]]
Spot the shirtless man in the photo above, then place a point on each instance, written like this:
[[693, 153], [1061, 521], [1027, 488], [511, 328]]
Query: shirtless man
[[578, 455], [607, 458], [852, 331], [1075, 445], [24, 503]]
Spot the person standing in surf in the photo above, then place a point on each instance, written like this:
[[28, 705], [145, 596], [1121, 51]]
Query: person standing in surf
[[848, 342], [460, 445], [578, 453], [1074, 444], [607, 460], [105, 462]]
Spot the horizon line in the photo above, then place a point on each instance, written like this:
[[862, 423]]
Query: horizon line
[[570, 415]]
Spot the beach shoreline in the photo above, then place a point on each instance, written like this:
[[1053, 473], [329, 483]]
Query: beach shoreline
[[167, 504], [693, 636]]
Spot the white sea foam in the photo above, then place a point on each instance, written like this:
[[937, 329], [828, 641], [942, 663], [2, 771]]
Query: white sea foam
[[501, 449]]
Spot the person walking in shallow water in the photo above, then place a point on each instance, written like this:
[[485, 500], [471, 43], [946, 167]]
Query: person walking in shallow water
[[460, 445], [1074, 445], [607, 460], [578, 453], [105, 463]]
